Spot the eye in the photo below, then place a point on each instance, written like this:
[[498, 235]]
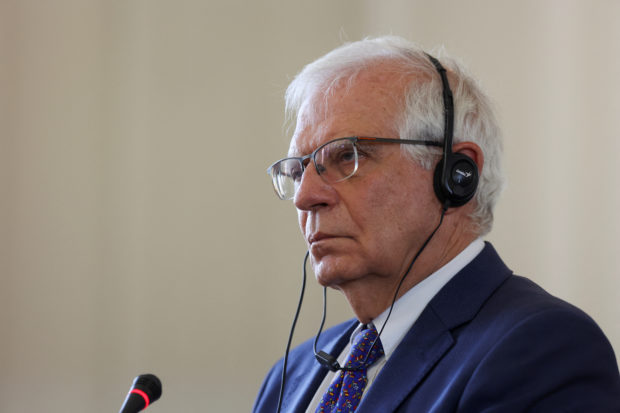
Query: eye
[[341, 151], [345, 155], [336, 160]]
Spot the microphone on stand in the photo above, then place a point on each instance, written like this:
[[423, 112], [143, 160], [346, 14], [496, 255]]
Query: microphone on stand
[[146, 389]]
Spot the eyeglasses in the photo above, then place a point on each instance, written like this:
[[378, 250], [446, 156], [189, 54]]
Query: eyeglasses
[[334, 161]]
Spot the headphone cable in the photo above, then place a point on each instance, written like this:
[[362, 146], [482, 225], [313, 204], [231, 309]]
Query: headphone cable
[[290, 336]]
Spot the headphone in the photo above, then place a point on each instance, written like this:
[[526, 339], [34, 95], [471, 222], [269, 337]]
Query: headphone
[[456, 175]]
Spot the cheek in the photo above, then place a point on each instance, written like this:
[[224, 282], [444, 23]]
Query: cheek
[[379, 212], [391, 197], [395, 205]]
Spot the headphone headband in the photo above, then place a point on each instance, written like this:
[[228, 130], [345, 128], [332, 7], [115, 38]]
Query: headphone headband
[[456, 175], [448, 105]]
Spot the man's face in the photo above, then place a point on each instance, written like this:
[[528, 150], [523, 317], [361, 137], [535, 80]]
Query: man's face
[[368, 227]]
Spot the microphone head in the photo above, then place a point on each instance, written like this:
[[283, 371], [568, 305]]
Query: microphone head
[[150, 384], [327, 360], [146, 389]]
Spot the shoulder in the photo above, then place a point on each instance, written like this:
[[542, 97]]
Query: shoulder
[[519, 348], [487, 294], [519, 300], [540, 353]]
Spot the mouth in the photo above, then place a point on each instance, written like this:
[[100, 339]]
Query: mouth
[[320, 237]]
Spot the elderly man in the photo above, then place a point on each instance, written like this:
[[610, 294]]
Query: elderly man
[[395, 168]]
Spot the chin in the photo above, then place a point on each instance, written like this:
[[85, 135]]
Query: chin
[[331, 272]]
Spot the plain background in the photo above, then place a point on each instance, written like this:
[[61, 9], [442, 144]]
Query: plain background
[[139, 231]]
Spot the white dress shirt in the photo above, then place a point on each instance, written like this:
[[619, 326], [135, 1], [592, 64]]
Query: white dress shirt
[[406, 311]]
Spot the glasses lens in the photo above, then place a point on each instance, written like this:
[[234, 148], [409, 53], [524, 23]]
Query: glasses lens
[[337, 160], [285, 175]]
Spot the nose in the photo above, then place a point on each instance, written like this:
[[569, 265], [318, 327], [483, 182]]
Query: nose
[[313, 192]]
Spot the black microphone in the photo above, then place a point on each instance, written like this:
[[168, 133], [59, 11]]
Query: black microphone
[[329, 361], [146, 389]]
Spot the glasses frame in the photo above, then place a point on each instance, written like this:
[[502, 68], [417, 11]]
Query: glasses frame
[[354, 140]]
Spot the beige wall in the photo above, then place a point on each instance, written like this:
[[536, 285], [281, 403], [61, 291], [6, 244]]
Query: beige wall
[[138, 229]]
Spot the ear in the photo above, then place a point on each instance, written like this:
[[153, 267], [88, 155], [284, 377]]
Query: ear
[[473, 151]]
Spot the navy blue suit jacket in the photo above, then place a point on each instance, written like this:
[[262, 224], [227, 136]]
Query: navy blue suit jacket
[[489, 341]]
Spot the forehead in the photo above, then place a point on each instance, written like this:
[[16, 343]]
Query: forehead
[[370, 105]]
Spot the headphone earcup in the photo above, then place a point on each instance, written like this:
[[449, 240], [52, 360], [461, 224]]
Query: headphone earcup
[[460, 181]]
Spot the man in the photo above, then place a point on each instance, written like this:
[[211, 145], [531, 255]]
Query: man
[[394, 168]]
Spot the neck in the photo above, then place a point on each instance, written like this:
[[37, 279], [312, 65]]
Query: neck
[[371, 296]]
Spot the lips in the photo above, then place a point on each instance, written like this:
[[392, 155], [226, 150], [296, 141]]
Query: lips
[[319, 236]]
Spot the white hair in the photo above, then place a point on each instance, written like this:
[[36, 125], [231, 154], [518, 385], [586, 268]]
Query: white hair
[[423, 111]]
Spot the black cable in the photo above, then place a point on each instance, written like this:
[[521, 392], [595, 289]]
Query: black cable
[[290, 336], [316, 339]]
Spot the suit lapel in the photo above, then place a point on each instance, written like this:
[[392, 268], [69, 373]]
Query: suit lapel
[[430, 338], [415, 356]]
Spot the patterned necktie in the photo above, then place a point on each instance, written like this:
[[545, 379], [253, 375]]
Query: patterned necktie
[[345, 392]]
